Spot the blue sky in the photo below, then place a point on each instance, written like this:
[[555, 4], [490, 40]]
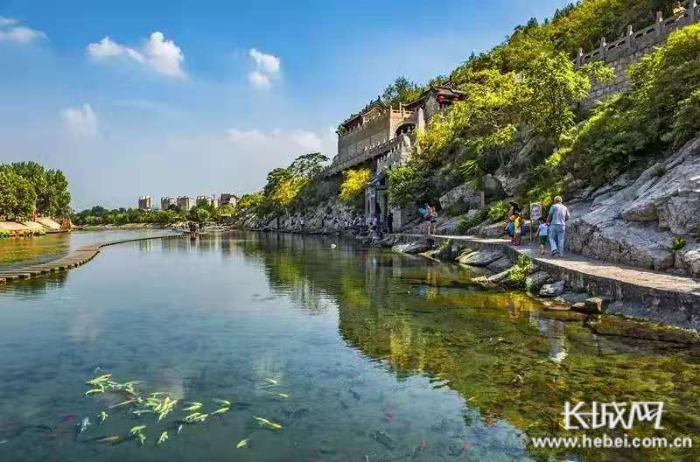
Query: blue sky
[[163, 98]]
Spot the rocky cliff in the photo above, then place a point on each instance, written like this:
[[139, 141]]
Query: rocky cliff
[[637, 222]]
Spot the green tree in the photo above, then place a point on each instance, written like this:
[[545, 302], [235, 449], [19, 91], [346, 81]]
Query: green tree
[[401, 91], [17, 196]]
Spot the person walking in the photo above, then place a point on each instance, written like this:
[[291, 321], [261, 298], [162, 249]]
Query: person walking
[[558, 216], [390, 223]]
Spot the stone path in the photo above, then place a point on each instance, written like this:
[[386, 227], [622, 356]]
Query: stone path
[[72, 260], [587, 266]]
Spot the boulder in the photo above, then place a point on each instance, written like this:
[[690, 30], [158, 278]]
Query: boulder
[[492, 186], [688, 259], [412, 247], [463, 195], [498, 278], [499, 265], [480, 257], [490, 230], [536, 280], [553, 290], [572, 298]]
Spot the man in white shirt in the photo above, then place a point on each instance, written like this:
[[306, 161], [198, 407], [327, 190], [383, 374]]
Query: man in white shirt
[[558, 216]]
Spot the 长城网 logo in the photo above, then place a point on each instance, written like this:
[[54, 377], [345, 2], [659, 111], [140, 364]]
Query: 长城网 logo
[[612, 415]]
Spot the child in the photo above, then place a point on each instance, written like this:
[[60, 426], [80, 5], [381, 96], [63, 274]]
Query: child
[[518, 228], [542, 232], [510, 228]]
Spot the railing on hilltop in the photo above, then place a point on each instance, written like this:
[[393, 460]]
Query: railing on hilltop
[[653, 33], [370, 152]]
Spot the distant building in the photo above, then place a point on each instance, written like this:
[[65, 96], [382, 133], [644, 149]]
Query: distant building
[[167, 202], [185, 203], [228, 199], [145, 203]]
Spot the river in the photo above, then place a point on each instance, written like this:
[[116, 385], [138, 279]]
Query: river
[[357, 354]]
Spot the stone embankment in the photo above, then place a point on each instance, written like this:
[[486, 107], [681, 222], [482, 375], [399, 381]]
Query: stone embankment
[[589, 285], [72, 260]]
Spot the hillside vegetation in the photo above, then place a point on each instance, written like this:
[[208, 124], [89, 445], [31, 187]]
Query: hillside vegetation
[[521, 97]]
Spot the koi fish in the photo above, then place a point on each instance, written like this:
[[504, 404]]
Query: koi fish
[[223, 402], [269, 423], [192, 406], [83, 425], [137, 429], [103, 416], [242, 444], [108, 439], [179, 429], [223, 410], [272, 381], [196, 417], [123, 403], [142, 438], [162, 439], [143, 411], [94, 390], [98, 380], [283, 395]]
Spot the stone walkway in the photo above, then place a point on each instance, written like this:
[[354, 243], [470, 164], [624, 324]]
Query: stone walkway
[[587, 266], [72, 260]]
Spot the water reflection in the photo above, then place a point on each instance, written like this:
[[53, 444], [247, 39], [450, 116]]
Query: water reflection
[[380, 356]]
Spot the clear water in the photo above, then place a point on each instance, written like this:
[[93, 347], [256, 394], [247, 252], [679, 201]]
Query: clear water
[[16, 252], [383, 357]]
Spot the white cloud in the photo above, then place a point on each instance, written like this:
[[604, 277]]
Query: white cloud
[[161, 55], [10, 31], [266, 63], [80, 122], [259, 80], [267, 68]]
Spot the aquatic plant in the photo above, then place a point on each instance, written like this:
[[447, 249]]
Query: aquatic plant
[[678, 243]]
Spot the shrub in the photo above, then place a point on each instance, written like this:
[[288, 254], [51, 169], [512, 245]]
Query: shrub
[[520, 270], [678, 243], [498, 211], [466, 223], [354, 183]]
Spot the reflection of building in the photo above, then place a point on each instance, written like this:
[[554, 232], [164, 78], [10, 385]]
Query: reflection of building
[[167, 202], [228, 199], [145, 202], [185, 203], [380, 137]]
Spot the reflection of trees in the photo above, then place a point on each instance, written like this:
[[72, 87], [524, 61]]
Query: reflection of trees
[[493, 348], [36, 285]]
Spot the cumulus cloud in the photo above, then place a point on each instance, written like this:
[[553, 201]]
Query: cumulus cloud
[[11, 31], [80, 122], [267, 68], [161, 55]]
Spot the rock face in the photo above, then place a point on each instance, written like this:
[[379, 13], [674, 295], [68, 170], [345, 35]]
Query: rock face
[[636, 225], [499, 265], [464, 196], [536, 280], [480, 257], [553, 290], [412, 247]]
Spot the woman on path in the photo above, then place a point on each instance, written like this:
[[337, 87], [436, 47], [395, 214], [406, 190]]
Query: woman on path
[[558, 216]]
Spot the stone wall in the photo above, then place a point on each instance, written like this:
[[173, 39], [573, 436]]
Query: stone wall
[[629, 49]]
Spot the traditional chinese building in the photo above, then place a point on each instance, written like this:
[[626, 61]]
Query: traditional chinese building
[[380, 136], [145, 203]]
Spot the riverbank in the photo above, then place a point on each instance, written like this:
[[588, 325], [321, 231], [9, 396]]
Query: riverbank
[[573, 283]]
